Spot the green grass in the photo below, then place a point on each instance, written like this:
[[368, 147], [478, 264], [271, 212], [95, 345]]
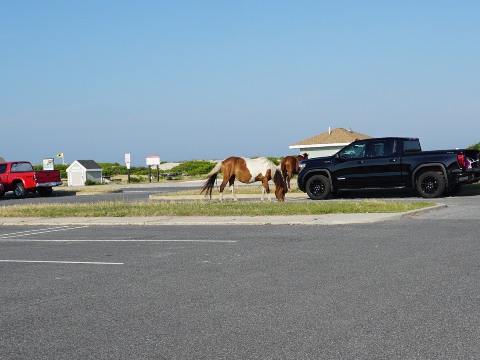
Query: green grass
[[208, 208]]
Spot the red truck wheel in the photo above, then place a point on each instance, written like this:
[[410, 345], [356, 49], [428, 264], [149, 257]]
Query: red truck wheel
[[19, 190]]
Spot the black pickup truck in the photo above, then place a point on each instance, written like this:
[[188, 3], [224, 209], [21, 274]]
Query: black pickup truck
[[390, 162]]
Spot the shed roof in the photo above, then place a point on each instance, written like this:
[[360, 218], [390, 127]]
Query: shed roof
[[89, 164], [334, 136]]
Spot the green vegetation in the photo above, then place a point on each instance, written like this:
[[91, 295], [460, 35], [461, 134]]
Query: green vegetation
[[186, 168], [140, 173], [207, 208], [198, 167], [475, 146]]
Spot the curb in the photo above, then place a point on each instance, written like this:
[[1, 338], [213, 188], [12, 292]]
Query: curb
[[325, 219]]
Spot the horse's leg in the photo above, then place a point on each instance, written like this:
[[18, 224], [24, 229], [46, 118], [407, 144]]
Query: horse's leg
[[265, 189], [232, 187], [222, 187]]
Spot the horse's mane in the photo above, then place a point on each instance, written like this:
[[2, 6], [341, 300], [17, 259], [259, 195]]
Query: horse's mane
[[279, 180]]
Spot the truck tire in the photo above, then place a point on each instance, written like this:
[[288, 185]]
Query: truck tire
[[431, 184], [19, 190], [2, 192], [318, 187]]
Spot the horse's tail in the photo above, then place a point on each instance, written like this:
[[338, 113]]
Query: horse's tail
[[212, 176], [216, 169]]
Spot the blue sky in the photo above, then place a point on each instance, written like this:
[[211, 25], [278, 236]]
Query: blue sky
[[210, 79]]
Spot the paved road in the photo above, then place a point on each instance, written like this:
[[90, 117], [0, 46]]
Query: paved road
[[400, 289], [133, 192]]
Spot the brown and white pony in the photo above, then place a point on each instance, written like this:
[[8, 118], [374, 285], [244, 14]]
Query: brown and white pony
[[247, 171], [289, 166]]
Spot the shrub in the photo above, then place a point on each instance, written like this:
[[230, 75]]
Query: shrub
[[91, 182], [198, 167], [136, 179], [475, 146]]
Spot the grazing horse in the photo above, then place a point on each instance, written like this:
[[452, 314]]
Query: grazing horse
[[247, 171], [289, 166]]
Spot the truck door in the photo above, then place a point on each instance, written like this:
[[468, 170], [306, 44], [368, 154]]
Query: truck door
[[383, 164], [348, 169]]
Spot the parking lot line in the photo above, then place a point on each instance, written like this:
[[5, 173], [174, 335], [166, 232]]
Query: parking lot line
[[60, 262], [40, 231], [116, 240]]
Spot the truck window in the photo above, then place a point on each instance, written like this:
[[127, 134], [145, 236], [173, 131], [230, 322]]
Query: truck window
[[3, 168], [383, 147], [21, 167], [410, 146], [353, 151]]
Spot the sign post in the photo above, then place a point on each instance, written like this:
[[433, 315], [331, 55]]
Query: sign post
[[127, 163], [153, 160]]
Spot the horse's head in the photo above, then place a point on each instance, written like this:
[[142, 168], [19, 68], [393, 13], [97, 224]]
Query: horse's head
[[280, 185], [305, 156]]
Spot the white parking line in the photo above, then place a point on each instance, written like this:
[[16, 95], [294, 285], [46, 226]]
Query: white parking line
[[60, 262], [40, 231], [114, 240]]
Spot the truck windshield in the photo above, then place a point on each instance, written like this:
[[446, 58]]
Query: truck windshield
[[20, 167]]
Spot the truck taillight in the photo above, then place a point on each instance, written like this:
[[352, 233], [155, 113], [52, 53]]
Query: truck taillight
[[461, 160]]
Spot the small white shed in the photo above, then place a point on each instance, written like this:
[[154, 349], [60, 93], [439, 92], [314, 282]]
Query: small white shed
[[82, 170]]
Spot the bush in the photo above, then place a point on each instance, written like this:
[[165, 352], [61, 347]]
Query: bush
[[137, 179], [91, 182], [476, 146], [198, 167]]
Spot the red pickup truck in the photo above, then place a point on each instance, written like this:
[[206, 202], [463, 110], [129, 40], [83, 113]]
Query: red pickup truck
[[19, 177]]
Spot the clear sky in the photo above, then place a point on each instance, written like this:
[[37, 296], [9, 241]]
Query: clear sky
[[201, 79]]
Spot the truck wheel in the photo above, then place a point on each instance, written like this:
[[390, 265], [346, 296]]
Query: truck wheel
[[45, 191], [431, 184], [2, 192], [19, 190], [318, 187]]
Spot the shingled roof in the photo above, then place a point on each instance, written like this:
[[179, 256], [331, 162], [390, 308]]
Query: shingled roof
[[89, 164], [334, 136]]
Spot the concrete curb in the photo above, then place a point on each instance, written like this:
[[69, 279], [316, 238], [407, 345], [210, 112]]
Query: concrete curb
[[326, 219]]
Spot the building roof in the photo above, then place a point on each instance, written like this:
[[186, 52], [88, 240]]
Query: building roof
[[89, 164], [332, 137]]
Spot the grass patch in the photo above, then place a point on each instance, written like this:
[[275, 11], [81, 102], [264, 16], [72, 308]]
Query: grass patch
[[208, 208]]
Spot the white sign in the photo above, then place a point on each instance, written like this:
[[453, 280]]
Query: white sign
[[127, 160], [153, 160], [48, 164]]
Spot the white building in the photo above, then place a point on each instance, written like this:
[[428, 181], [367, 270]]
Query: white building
[[328, 143], [82, 170]]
